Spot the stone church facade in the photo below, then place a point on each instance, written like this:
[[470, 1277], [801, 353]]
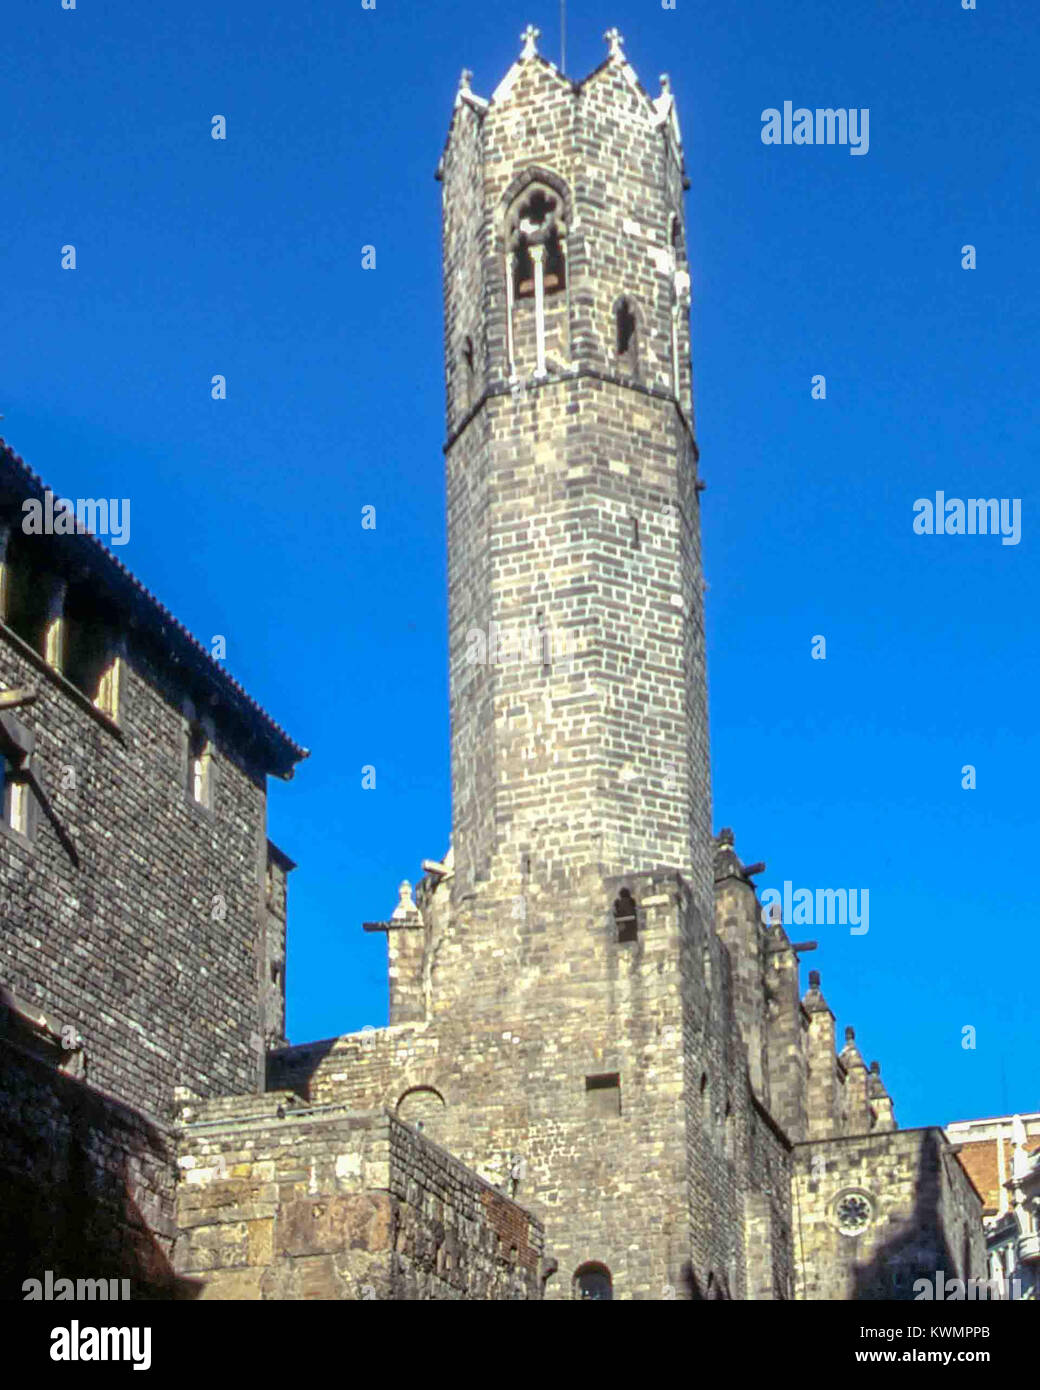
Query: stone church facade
[[601, 1077]]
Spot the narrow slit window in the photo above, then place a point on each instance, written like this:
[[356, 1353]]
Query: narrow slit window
[[199, 765], [469, 372], [626, 916], [626, 328], [15, 796], [626, 336]]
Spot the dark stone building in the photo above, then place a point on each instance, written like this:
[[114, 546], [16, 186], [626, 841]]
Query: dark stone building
[[143, 924]]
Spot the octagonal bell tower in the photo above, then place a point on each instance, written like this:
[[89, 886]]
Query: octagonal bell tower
[[567, 985], [579, 727]]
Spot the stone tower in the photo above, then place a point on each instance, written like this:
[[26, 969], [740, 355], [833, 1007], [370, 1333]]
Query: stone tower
[[578, 939], [576, 631]]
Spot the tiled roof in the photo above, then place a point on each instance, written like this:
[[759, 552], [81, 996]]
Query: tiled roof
[[161, 622]]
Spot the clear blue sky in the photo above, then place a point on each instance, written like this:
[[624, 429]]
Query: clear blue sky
[[242, 257]]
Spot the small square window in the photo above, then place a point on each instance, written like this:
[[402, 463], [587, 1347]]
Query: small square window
[[603, 1094]]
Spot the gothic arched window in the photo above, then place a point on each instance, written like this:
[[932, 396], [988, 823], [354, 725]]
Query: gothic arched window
[[536, 220], [534, 242]]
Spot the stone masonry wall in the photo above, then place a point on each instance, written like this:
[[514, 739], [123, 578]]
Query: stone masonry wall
[[507, 1079], [88, 1185], [280, 1201], [924, 1215], [122, 942]]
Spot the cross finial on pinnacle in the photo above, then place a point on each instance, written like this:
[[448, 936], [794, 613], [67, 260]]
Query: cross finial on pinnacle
[[465, 78], [530, 36], [613, 37]]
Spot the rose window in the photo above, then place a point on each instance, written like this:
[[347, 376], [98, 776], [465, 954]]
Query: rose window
[[853, 1213]]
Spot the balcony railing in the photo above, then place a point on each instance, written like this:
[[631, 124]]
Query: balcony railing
[[1029, 1248]]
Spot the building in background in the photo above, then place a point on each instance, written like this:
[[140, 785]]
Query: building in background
[[1002, 1157]]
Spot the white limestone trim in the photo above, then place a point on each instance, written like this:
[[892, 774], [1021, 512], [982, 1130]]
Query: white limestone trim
[[509, 315], [507, 84], [538, 257]]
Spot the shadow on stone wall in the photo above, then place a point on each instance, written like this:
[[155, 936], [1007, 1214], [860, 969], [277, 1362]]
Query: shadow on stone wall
[[922, 1248], [715, 1289], [86, 1185], [291, 1068]]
